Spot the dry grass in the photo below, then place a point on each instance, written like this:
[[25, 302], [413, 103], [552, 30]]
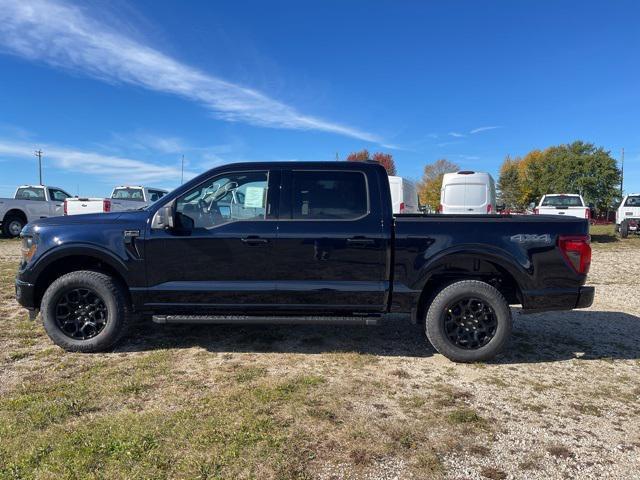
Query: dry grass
[[326, 402]]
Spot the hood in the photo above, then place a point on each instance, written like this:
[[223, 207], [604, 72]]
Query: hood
[[91, 219]]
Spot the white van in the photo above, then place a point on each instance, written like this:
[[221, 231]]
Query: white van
[[404, 195], [468, 192]]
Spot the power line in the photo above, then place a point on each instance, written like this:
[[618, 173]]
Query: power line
[[38, 154]]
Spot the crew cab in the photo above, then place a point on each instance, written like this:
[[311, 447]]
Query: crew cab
[[302, 242], [569, 205], [628, 215], [122, 198], [29, 203]]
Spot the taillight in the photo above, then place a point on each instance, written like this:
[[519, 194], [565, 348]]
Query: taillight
[[577, 250], [489, 208], [587, 213], [106, 206], [402, 207], [439, 209], [65, 207], [536, 211]]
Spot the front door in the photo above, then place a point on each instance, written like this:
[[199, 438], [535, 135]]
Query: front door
[[222, 261], [331, 249]]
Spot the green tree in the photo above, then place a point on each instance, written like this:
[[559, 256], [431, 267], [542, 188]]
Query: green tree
[[578, 167], [431, 183], [509, 184]]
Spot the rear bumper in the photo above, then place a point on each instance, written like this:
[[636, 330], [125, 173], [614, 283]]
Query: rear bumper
[[557, 299]]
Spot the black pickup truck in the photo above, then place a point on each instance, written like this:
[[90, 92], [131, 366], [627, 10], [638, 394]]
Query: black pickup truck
[[298, 242]]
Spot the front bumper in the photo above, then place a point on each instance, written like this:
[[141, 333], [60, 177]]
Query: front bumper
[[25, 294], [557, 299]]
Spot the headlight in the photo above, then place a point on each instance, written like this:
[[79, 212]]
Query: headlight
[[28, 248]]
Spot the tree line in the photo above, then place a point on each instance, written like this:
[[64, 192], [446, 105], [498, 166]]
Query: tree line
[[578, 167]]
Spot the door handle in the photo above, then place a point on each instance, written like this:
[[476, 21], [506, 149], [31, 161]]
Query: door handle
[[254, 241], [360, 241]]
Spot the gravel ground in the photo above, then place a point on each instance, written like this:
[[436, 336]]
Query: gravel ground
[[562, 402]]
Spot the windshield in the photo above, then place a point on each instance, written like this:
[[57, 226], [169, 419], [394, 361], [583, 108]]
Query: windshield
[[562, 201], [134, 194], [633, 201]]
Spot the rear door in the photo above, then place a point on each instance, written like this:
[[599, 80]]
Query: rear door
[[331, 251]]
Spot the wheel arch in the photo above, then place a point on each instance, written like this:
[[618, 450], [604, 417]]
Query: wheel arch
[[496, 270], [75, 258], [15, 212]]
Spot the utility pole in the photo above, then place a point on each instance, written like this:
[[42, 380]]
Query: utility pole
[[182, 171], [622, 176], [38, 154]]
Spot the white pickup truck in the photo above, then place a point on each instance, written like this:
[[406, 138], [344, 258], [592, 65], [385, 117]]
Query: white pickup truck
[[122, 198], [628, 215], [30, 202], [568, 204]]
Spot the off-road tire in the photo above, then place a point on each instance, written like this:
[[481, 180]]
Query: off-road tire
[[435, 320], [110, 292], [8, 225], [624, 229]]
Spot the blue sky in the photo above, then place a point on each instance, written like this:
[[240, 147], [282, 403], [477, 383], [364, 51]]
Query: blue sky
[[115, 92]]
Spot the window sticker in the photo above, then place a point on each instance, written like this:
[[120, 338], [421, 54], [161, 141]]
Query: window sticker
[[254, 197]]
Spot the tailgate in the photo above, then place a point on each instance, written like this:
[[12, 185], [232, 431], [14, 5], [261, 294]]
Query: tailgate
[[578, 212], [78, 206]]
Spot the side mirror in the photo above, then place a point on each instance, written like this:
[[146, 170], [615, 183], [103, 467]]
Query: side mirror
[[163, 218], [532, 205]]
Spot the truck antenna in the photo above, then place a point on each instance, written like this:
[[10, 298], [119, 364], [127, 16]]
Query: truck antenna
[[38, 154]]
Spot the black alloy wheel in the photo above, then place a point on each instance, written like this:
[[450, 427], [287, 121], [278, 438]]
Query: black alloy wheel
[[81, 313], [470, 323]]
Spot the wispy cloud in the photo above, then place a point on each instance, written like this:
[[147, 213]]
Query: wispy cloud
[[118, 168], [64, 36], [456, 134], [484, 129]]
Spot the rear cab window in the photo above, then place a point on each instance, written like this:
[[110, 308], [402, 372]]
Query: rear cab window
[[155, 195], [562, 201], [128, 193], [633, 201], [328, 195], [30, 193]]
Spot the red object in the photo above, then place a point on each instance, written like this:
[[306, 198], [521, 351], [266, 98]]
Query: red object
[[65, 207], [489, 208], [536, 211], [576, 249], [402, 207], [106, 206], [439, 209], [587, 213]]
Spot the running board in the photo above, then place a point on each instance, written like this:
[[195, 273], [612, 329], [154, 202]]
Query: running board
[[249, 319]]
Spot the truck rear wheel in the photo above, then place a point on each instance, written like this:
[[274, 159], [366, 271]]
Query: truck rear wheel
[[624, 229], [468, 321], [12, 226], [85, 311]]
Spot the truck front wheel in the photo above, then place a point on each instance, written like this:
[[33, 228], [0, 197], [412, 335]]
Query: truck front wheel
[[468, 321], [85, 311]]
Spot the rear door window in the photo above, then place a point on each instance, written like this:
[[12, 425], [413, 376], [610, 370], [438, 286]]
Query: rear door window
[[454, 194], [562, 201], [329, 195], [476, 194]]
